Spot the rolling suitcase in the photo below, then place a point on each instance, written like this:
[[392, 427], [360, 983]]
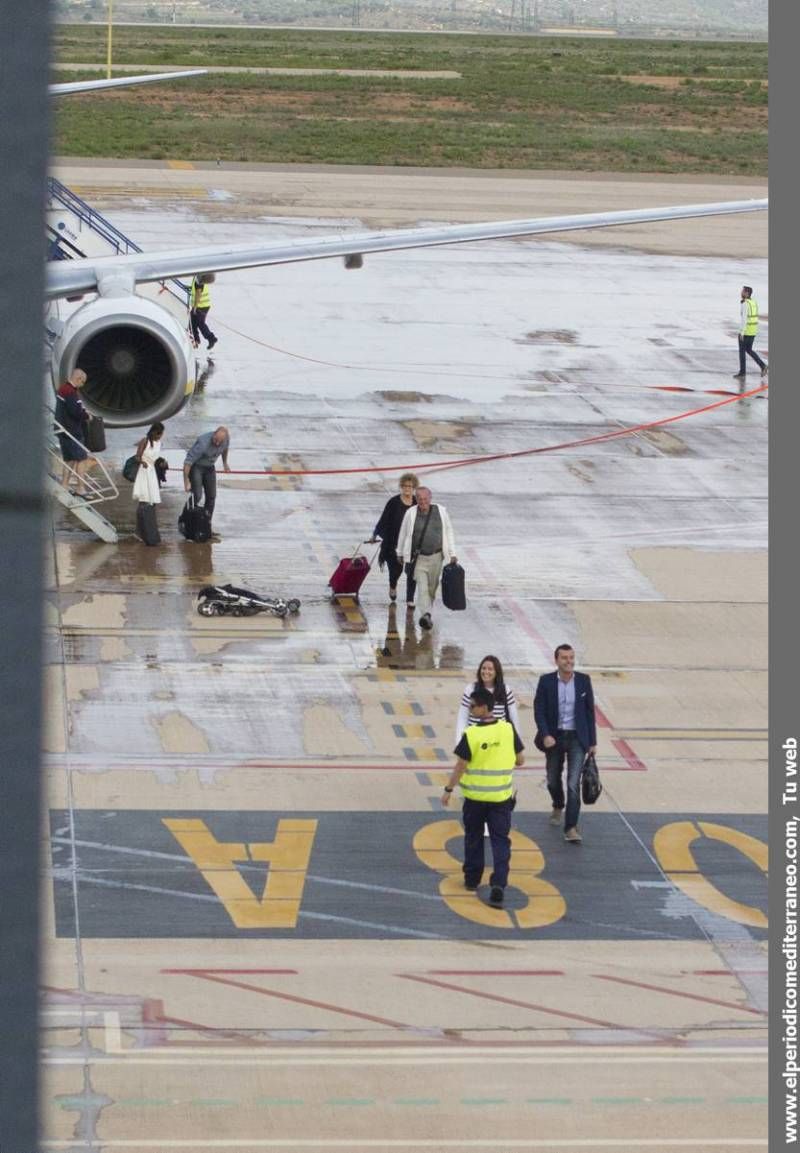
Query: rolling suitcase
[[453, 595], [146, 523], [349, 576], [194, 522], [96, 434]]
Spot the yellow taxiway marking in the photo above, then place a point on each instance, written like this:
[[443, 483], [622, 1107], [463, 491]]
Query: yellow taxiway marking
[[179, 164], [133, 191]]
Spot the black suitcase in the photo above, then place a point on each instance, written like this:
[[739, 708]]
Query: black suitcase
[[96, 434], [453, 595], [194, 522], [147, 524]]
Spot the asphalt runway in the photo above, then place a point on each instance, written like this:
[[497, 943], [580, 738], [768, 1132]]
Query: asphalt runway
[[256, 935]]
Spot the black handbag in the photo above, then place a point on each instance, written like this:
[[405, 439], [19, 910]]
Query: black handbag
[[591, 786], [130, 468]]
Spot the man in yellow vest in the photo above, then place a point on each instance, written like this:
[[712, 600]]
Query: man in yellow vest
[[748, 328], [199, 304], [488, 752]]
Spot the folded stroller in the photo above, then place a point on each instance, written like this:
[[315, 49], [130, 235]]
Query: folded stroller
[[227, 600]]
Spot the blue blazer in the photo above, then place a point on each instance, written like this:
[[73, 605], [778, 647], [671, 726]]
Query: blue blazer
[[545, 707]]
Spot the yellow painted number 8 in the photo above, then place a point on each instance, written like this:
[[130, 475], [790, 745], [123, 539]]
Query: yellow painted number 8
[[544, 906]]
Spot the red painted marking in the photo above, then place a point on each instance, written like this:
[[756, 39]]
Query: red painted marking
[[629, 756], [602, 719], [728, 972], [678, 993], [522, 620], [205, 975], [510, 1001]]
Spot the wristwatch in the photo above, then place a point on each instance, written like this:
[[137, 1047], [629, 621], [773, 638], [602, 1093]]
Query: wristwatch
[[448, 788]]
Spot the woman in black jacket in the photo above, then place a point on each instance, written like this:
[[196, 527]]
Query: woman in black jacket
[[388, 530]]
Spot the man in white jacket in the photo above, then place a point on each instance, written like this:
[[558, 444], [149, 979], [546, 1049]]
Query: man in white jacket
[[426, 538]]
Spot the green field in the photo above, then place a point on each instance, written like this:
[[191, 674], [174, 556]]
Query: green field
[[520, 102]]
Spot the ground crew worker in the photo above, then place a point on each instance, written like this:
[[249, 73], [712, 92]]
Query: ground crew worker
[[199, 304], [748, 328], [487, 754]]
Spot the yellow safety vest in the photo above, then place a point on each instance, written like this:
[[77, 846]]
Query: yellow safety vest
[[201, 295], [751, 324], [489, 774]]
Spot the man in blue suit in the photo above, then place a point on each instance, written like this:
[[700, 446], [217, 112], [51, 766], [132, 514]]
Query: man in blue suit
[[564, 712]]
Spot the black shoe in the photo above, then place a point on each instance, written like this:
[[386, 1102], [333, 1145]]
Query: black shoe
[[471, 885], [739, 375], [212, 342], [496, 897], [425, 621]]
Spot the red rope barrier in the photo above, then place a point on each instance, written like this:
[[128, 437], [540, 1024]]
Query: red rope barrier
[[465, 462]]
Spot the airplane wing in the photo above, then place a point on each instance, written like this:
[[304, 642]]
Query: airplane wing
[[119, 82], [116, 275]]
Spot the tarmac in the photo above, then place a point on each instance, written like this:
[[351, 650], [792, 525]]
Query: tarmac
[[255, 928]]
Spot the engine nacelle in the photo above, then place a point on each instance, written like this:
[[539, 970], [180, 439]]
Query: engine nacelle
[[139, 363]]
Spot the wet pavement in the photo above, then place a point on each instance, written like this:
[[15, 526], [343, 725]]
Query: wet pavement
[[248, 864]]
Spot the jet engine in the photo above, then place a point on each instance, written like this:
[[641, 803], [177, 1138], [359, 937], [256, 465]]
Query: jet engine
[[139, 363]]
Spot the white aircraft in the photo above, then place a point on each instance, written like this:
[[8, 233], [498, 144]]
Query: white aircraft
[[119, 82], [138, 358]]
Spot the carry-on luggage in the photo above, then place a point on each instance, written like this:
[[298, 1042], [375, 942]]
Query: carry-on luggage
[[95, 434], [350, 574], [453, 595], [591, 786], [146, 523], [194, 522]]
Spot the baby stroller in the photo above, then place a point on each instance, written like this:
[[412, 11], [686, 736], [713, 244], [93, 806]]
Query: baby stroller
[[227, 600]]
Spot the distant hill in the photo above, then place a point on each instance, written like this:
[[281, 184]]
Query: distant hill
[[745, 19]]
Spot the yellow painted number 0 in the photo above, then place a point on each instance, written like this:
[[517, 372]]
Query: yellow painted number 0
[[672, 844]]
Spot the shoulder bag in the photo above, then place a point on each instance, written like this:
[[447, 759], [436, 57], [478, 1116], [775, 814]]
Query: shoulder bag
[[591, 787], [412, 564]]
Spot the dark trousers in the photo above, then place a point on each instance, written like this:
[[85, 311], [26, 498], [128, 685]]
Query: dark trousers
[[203, 479], [197, 319], [746, 349], [496, 815], [395, 567], [569, 748]]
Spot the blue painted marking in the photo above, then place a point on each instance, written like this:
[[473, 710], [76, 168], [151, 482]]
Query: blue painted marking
[[410, 754]]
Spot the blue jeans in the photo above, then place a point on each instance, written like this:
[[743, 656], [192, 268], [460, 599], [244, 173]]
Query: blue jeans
[[496, 815], [203, 479], [569, 748]]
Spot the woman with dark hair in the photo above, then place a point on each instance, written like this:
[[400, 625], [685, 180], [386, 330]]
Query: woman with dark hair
[[388, 530], [146, 489], [490, 677]]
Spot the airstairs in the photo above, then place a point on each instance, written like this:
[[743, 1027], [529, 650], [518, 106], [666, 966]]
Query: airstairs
[[63, 483], [75, 229]]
